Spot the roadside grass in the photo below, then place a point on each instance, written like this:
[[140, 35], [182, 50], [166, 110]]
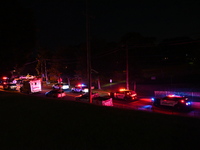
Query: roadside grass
[[29, 122]]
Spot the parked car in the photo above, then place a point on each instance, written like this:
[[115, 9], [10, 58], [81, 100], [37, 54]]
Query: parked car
[[9, 86], [85, 96], [63, 86], [56, 93]]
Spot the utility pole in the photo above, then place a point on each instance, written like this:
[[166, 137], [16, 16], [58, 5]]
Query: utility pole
[[45, 68], [88, 53], [98, 79], [127, 68]]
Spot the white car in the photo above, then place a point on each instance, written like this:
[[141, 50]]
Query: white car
[[62, 86]]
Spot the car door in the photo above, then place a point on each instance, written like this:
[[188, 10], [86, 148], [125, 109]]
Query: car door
[[120, 95], [168, 102]]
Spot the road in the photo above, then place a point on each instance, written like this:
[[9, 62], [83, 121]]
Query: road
[[142, 104]]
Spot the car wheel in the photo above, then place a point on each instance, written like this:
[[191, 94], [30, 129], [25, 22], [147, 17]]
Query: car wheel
[[111, 94], [177, 107], [125, 98], [156, 104], [21, 90]]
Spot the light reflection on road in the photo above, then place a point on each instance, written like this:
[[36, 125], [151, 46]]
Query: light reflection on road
[[143, 104]]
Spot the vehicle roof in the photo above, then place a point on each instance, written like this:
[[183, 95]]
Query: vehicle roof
[[125, 91], [61, 83], [174, 97]]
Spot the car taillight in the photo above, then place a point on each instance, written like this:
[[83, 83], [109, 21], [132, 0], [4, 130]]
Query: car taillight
[[133, 95], [182, 101]]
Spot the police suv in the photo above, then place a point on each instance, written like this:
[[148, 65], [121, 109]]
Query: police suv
[[176, 101]]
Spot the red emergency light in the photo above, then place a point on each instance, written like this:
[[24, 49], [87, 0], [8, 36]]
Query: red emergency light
[[80, 85], [4, 78]]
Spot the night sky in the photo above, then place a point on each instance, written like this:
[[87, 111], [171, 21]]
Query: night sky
[[62, 23], [28, 26]]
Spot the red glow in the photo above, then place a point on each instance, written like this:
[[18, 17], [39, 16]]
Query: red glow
[[182, 101], [4, 78], [171, 95], [79, 85], [61, 95]]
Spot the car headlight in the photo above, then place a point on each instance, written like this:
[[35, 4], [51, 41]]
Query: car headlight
[[65, 87], [188, 103], [85, 90]]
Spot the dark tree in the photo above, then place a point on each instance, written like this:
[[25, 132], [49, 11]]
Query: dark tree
[[18, 35]]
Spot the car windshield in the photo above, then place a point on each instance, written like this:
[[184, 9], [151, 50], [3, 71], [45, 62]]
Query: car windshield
[[11, 84], [78, 88]]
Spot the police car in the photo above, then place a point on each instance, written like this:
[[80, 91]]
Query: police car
[[63, 86], [124, 94], [175, 101], [7, 85], [81, 88]]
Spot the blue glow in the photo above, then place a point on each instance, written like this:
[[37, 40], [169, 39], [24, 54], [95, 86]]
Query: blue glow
[[188, 103], [152, 99]]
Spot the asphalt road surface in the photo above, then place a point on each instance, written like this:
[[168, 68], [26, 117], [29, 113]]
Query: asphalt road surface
[[142, 104]]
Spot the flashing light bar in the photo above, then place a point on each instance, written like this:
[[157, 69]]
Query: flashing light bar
[[80, 85], [173, 95], [122, 89]]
